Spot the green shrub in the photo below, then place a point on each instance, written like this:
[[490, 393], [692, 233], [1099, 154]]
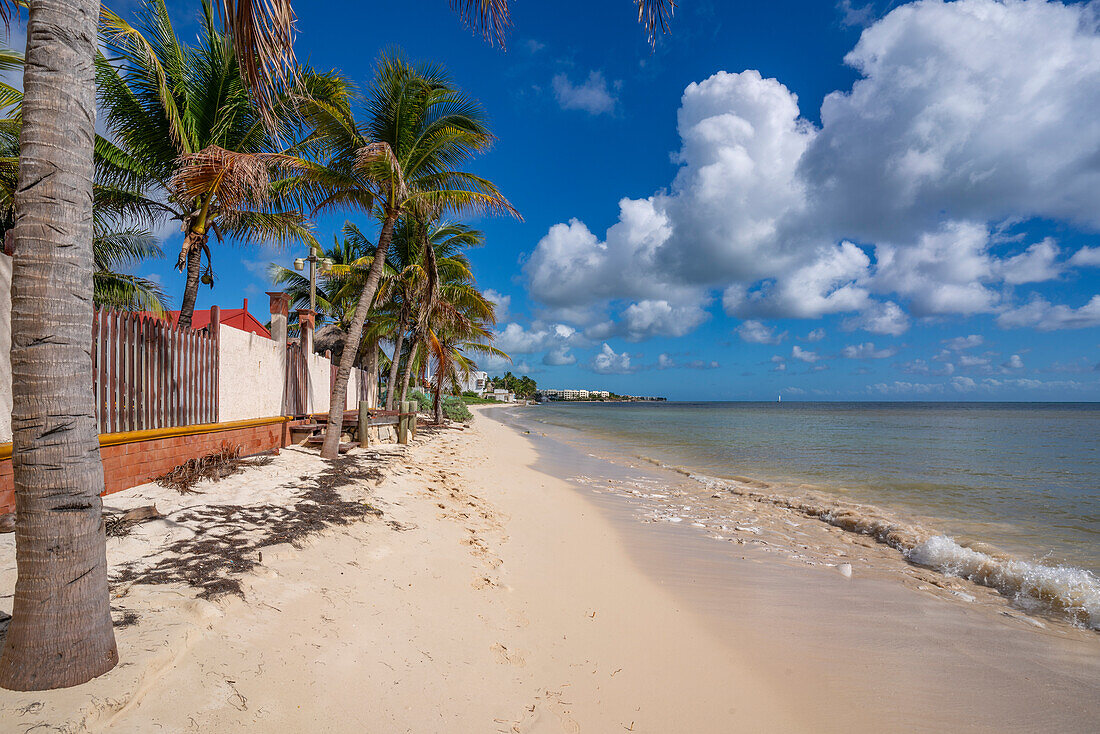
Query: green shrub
[[419, 396], [456, 410]]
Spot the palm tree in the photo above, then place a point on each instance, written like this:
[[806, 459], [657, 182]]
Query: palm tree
[[191, 145], [118, 243], [337, 288], [460, 326], [451, 351], [415, 278], [60, 633], [404, 159]]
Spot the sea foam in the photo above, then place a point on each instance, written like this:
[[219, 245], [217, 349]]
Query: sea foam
[[1074, 591]]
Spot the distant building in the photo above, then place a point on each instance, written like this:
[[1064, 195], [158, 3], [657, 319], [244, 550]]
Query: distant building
[[573, 394], [476, 382], [502, 396]]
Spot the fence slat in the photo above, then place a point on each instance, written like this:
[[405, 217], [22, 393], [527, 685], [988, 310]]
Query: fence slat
[[95, 363]]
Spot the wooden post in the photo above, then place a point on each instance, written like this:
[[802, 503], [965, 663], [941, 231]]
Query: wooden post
[[403, 422], [414, 408], [364, 422], [215, 362]]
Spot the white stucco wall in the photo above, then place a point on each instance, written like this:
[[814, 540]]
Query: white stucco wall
[[250, 376], [5, 348], [318, 393]]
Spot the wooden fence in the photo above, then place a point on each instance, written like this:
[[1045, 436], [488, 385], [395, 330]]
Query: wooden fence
[[297, 380], [150, 374]]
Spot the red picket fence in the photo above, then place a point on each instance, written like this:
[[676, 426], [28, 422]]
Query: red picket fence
[[150, 374]]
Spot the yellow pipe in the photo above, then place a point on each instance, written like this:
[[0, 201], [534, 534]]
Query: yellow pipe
[[117, 439]]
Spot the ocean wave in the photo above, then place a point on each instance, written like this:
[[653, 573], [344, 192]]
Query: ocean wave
[[1074, 592]]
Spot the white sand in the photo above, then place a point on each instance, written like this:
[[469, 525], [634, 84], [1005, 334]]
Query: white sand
[[493, 597]]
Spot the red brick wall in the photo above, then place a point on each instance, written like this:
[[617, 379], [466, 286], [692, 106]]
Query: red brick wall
[[130, 464]]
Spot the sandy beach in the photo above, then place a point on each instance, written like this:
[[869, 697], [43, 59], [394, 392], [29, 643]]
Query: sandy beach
[[463, 583]]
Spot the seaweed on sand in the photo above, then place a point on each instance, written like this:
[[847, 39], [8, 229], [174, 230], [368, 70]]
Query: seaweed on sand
[[216, 465], [229, 539]]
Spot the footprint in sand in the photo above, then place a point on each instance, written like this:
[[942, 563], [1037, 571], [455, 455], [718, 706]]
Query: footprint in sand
[[504, 656], [484, 583]]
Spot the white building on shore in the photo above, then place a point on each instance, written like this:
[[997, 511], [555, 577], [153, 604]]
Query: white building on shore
[[476, 382], [571, 394]]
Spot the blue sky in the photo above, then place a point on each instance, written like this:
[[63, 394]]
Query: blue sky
[[828, 202]]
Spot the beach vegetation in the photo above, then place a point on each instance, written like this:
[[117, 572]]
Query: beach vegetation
[[402, 160], [454, 408], [522, 387], [61, 632], [187, 143], [204, 135]]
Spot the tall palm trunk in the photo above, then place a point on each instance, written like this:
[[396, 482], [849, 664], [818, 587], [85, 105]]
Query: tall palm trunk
[[60, 633], [437, 404], [372, 374], [395, 363], [406, 376], [331, 447], [191, 289]]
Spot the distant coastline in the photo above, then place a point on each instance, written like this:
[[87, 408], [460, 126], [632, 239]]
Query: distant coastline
[[605, 400]]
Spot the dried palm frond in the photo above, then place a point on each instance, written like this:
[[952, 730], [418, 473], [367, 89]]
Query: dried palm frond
[[654, 15], [214, 466], [375, 152], [233, 178], [491, 17], [263, 38]]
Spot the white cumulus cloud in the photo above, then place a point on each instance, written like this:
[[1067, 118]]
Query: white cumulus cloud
[[755, 332], [591, 95], [867, 350], [957, 125], [805, 355], [1042, 315], [609, 362]]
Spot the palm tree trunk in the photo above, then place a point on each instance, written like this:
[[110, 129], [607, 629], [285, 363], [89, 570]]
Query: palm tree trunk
[[406, 375], [395, 363], [331, 447], [437, 404], [372, 374], [60, 633], [191, 289]]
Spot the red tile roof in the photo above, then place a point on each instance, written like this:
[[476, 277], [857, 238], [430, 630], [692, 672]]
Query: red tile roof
[[238, 318]]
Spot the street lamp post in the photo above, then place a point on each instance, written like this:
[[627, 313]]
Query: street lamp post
[[325, 266]]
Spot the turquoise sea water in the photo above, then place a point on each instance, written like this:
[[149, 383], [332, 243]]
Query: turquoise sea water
[[1024, 477]]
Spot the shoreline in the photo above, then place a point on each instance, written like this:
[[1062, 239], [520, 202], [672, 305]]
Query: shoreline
[[524, 601], [904, 624], [1053, 583]]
